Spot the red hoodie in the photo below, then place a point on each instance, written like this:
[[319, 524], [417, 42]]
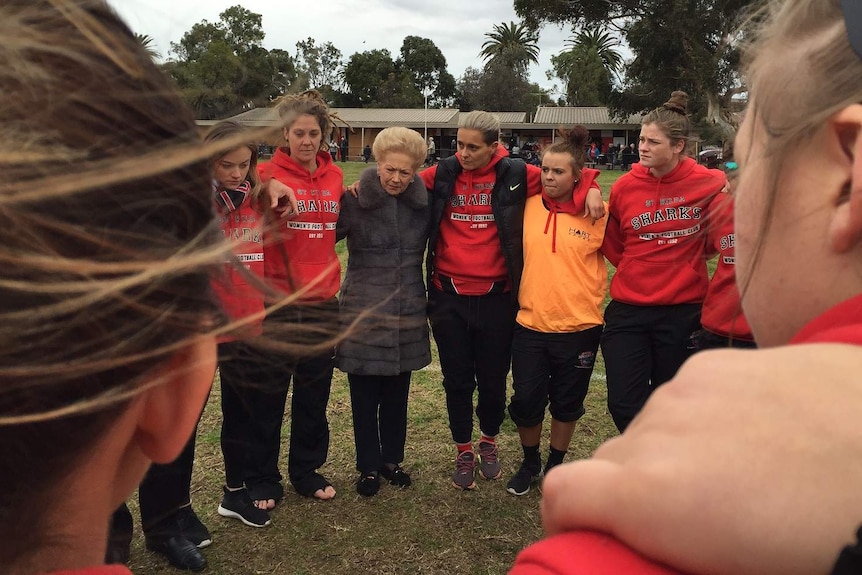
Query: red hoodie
[[722, 313], [590, 553], [300, 253], [468, 248], [241, 225], [656, 235]]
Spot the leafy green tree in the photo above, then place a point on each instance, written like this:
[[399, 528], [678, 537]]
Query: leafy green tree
[[690, 45], [320, 64], [603, 43], [364, 73], [585, 76], [512, 45], [497, 88], [423, 62], [222, 68]]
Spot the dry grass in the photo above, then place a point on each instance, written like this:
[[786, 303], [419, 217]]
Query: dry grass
[[428, 528]]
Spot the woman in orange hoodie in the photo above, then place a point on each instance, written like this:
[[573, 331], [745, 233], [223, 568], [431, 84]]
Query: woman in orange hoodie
[[559, 322]]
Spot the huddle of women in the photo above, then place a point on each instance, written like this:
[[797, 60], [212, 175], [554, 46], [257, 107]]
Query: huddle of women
[[120, 298]]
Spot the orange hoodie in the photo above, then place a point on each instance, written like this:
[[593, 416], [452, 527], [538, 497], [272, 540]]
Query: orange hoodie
[[656, 234], [300, 253]]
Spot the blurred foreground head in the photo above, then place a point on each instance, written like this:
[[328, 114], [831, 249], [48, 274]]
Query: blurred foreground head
[[107, 239]]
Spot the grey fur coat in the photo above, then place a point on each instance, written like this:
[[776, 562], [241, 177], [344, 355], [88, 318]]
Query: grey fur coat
[[386, 238]]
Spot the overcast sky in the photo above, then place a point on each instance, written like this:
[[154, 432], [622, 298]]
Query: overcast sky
[[457, 27]]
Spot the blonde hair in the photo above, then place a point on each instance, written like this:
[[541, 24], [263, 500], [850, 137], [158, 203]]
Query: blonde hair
[[485, 122], [672, 118], [403, 140], [792, 102], [107, 241], [228, 131]]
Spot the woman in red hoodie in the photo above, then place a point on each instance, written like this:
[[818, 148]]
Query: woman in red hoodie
[[559, 322], [656, 238], [301, 265], [748, 461], [724, 324], [236, 182]]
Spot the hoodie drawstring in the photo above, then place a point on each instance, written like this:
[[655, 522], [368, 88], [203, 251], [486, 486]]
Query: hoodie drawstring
[[552, 213]]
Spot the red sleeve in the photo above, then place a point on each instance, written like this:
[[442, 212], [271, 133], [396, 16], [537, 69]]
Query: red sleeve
[[427, 176], [719, 214], [613, 244], [534, 180], [584, 553]]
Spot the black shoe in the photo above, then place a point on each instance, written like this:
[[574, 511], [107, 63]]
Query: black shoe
[[117, 553], [396, 476], [180, 552], [368, 484], [523, 479], [192, 529], [238, 505]]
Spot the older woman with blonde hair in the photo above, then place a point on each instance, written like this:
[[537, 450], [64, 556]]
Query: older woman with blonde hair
[[383, 300]]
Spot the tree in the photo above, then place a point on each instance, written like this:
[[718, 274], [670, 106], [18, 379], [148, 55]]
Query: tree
[[690, 45], [497, 88], [512, 45], [222, 68], [603, 43], [321, 65], [583, 72], [146, 42], [423, 62], [364, 74]]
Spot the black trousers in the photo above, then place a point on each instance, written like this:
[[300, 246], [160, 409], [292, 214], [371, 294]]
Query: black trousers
[[312, 380], [241, 369], [474, 339], [379, 405], [164, 489], [643, 347], [551, 368]]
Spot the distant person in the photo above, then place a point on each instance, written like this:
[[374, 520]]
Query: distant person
[[432, 151], [333, 150], [344, 150], [366, 153]]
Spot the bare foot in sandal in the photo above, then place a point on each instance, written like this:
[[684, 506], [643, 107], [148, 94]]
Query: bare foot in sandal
[[265, 504], [325, 494]]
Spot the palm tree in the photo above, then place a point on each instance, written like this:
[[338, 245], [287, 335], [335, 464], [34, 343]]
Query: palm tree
[[146, 42], [515, 45], [603, 43]]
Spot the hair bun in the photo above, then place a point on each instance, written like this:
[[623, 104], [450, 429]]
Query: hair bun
[[678, 102]]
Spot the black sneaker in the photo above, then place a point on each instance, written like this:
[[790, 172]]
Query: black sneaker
[[179, 551], [396, 476], [523, 479], [238, 505], [368, 484], [192, 529]]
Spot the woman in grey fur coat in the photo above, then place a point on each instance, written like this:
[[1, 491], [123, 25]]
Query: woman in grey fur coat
[[383, 303]]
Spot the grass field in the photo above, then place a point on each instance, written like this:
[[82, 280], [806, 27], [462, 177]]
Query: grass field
[[429, 528]]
